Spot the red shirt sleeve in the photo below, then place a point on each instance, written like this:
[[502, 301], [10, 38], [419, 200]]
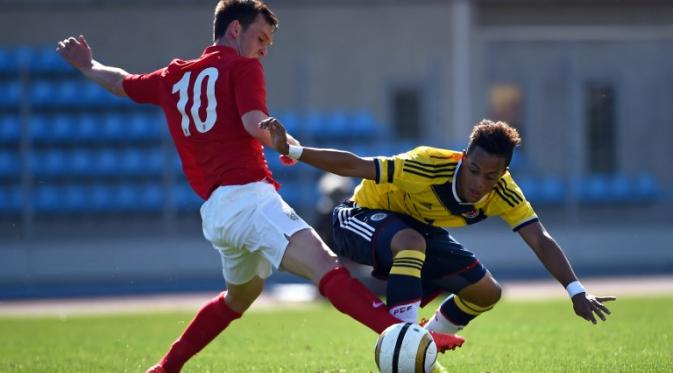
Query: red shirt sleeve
[[144, 88], [249, 87]]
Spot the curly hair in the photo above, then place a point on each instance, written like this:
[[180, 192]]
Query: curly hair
[[496, 138], [245, 11]]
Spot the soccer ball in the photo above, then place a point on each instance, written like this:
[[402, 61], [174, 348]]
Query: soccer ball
[[405, 348]]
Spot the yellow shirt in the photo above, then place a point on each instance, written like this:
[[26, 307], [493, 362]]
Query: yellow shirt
[[421, 183]]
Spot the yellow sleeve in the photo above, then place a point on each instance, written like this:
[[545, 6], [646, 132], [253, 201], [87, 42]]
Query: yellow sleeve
[[518, 212]]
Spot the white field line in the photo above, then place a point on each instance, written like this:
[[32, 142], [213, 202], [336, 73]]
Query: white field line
[[294, 296]]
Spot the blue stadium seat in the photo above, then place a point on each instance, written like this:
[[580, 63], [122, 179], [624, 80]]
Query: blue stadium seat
[[69, 92], [62, 128], [10, 128], [316, 125], [594, 189], [185, 198], [48, 198], [550, 190], [46, 59], [338, 125], [75, 198], [151, 197], [291, 122], [133, 162], [52, 163], [10, 163], [81, 162], [646, 188], [87, 127], [107, 162], [42, 92], [39, 127], [100, 198], [154, 161], [10, 199], [364, 124], [141, 127], [11, 93], [93, 94], [6, 63], [112, 126], [126, 197]]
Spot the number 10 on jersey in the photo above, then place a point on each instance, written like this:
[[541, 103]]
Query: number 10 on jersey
[[182, 89]]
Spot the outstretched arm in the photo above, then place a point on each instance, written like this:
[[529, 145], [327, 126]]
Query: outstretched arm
[[78, 53], [553, 258], [335, 161]]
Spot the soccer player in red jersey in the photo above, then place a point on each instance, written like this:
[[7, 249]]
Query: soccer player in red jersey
[[213, 105]]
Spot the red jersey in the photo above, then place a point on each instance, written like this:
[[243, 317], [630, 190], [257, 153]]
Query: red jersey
[[203, 100]]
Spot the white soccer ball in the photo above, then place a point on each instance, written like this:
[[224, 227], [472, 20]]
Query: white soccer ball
[[405, 348]]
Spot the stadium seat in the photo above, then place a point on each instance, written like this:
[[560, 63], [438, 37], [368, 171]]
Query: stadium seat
[[11, 93], [338, 125], [290, 120], [185, 198], [62, 128], [81, 162], [10, 128], [39, 127], [74, 198], [132, 162], [10, 199], [46, 59], [48, 198], [93, 94], [87, 127], [107, 162], [126, 197], [69, 92], [151, 197], [10, 163], [646, 188], [42, 93], [140, 127], [112, 126], [50, 163], [364, 124], [100, 198]]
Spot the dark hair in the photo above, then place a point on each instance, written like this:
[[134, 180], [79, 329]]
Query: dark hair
[[245, 11], [496, 138]]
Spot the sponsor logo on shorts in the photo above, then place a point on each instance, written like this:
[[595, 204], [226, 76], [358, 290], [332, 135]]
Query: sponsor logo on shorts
[[379, 216]]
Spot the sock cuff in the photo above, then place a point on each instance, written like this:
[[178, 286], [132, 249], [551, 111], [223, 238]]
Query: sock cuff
[[223, 308], [328, 277], [410, 254]]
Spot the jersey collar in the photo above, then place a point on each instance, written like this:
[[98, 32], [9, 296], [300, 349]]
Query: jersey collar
[[454, 182]]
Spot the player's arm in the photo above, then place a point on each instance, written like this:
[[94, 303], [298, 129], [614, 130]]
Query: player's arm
[[335, 161], [78, 53], [553, 258]]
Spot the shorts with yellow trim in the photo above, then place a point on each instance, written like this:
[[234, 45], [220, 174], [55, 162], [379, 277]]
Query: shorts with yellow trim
[[364, 236]]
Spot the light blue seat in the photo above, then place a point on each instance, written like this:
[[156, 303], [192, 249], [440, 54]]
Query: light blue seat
[[75, 198], [185, 198], [42, 92], [81, 162], [112, 126], [69, 92], [51, 163], [107, 162], [100, 198], [646, 188]]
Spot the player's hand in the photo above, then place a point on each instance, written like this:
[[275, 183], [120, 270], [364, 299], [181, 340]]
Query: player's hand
[[284, 159], [76, 52], [278, 134], [586, 305]]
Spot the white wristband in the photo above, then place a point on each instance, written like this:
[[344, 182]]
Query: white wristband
[[295, 151], [575, 288]]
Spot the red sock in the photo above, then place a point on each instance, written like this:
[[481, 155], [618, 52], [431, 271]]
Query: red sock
[[351, 297], [211, 319]]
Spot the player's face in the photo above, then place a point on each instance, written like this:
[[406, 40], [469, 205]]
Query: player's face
[[255, 40], [478, 174]]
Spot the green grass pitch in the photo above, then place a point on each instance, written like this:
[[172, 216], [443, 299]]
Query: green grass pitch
[[516, 336]]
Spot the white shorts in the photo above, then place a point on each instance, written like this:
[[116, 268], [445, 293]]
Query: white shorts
[[249, 225]]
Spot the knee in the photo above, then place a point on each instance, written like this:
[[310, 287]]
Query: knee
[[407, 239], [485, 293]]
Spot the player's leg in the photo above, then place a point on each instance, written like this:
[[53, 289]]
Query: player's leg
[[454, 269], [307, 256], [388, 243], [210, 321]]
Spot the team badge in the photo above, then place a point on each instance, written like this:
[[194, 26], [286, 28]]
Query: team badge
[[471, 214], [292, 215], [379, 216]]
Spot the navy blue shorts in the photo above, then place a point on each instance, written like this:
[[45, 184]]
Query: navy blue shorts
[[364, 236]]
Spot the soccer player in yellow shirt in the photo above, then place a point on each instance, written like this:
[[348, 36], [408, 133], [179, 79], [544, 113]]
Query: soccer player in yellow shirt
[[402, 210]]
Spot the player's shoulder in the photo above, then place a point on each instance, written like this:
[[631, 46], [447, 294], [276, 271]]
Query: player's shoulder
[[508, 191], [429, 154]]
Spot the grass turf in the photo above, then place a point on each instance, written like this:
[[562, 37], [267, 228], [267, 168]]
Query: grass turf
[[514, 337]]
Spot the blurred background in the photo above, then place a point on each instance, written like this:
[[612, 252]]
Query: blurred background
[[93, 201]]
